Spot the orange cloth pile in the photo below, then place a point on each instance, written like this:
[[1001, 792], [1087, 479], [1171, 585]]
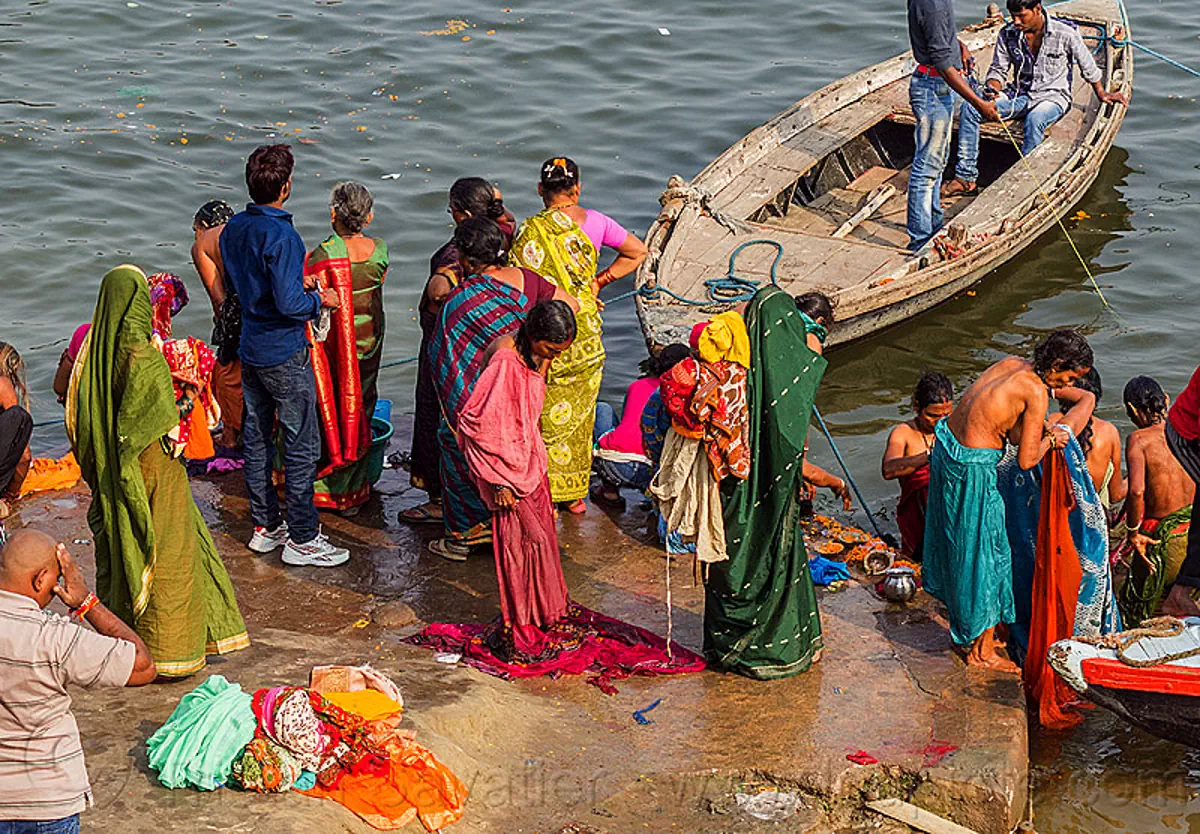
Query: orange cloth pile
[[46, 474], [416, 785], [1056, 578]]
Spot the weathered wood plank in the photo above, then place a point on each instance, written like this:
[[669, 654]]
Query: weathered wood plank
[[784, 164], [918, 818]]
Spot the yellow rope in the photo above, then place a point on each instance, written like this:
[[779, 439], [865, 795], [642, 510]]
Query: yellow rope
[[1057, 217]]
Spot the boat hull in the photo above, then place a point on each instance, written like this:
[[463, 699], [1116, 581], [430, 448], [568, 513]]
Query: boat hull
[[1170, 717], [1155, 687], [751, 193]]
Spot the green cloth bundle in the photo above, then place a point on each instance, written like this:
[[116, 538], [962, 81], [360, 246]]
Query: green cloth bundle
[[206, 732]]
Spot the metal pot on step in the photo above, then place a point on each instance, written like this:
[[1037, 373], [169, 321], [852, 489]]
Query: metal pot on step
[[900, 584]]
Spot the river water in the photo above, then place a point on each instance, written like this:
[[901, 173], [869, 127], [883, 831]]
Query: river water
[[118, 119]]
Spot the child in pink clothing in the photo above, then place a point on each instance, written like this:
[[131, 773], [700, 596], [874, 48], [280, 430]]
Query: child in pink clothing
[[627, 452]]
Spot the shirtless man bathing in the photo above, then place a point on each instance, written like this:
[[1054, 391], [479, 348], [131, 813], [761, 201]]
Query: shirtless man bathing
[[968, 562]]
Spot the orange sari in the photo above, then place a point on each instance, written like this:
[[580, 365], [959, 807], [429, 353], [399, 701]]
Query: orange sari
[[1056, 578], [345, 427]]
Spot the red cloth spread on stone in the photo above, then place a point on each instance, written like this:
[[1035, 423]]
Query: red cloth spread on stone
[[1056, 578], [345, 427], [910, 512], [583, 641]]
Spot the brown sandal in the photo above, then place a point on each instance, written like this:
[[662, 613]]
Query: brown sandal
[[960, 188], [421, 514]]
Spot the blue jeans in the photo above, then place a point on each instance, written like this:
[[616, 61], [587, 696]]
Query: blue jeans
[[613, 473], [1038, 119], [66, 825], [932, 103], [286, 391]]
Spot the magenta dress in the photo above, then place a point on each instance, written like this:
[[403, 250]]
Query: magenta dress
[[540, 631]]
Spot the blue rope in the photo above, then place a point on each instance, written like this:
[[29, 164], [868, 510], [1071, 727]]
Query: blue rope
[[1117, 42], [729, 289], [1120, 43], [850, 478], [399, 362]]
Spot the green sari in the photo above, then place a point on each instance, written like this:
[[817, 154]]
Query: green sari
[[760, 609], [156, 565], [552, 244]]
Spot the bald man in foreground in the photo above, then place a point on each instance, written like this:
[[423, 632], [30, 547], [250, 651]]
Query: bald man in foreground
[[43, 782]]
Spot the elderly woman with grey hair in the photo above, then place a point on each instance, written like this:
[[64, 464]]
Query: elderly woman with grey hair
[[356, 266]]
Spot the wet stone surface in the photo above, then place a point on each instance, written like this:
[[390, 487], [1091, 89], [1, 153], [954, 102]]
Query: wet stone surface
[[545, 755]]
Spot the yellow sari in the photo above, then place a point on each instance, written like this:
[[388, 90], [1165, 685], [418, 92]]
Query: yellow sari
[[552, 244]]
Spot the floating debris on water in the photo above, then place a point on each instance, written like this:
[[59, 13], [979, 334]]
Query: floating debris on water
[[453, 27]]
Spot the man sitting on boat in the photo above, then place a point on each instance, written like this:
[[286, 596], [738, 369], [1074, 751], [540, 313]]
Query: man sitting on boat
[[1039, 50]]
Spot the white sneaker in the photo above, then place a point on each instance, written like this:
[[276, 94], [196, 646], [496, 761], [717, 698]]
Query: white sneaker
[[264, 540], [318, 553]]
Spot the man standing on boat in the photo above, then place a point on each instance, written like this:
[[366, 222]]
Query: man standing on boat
[[941, 60], [1039, 50], [967, 557]]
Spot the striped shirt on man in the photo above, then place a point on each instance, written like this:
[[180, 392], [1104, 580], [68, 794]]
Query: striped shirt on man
[[42, 772]]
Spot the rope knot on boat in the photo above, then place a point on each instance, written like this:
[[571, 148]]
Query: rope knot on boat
[[1123, 641], [680, 193]]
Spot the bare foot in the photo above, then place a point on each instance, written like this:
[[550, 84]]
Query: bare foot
[[1179, 603], [995, 662], [983, 653]]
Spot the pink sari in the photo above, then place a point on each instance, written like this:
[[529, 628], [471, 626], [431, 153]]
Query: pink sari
[[540, 631], [499, 436]]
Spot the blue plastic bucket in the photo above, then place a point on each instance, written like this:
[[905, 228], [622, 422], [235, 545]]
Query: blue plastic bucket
[[381, 433], [383, 411]]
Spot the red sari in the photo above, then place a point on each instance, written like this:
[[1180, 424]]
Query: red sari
[[1056, 578], [540, 631], [910, 512], [499, 436], [341, 406]]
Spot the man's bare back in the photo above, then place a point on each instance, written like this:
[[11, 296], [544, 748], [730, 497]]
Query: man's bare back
[[206, 255], [1152, 466], [1009, 402], [1008, 395]]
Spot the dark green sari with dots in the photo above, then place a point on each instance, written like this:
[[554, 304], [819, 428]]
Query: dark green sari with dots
[[760, 610]]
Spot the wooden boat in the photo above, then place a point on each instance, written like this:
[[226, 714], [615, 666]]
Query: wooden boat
[[1163, 698], [827, 180]]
